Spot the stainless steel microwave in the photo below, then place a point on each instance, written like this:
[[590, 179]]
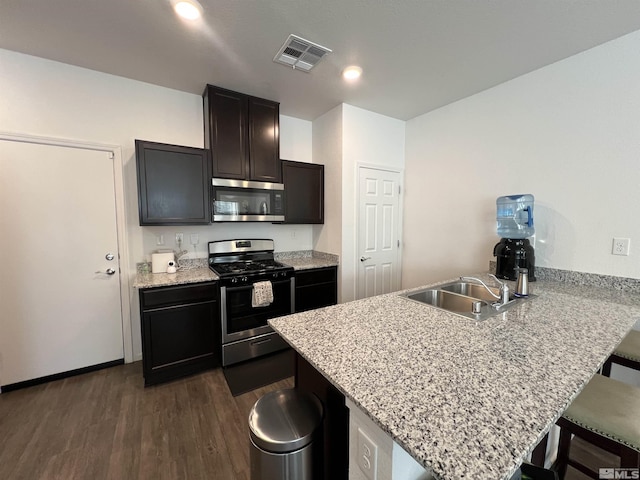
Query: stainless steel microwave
[[246, 201]]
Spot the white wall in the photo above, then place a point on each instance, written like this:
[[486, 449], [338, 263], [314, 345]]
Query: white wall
[[372, 139], [343, 138], [567, 133], [296, 139], [46, 98], [327, 150]]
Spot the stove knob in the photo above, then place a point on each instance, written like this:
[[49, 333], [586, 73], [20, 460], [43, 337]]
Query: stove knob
[[234, 280], [275, 275], [244, 279]]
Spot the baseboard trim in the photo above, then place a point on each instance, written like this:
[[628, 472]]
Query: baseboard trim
[[59, 376]]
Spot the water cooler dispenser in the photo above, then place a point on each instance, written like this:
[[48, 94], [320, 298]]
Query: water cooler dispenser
[[515, 225]]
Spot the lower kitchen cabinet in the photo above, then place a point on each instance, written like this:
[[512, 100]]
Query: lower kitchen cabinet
[[316, 288], [335, 421], [180, 330]]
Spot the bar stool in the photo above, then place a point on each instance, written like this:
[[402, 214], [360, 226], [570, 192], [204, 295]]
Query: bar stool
[[606, 414], [627, 353]]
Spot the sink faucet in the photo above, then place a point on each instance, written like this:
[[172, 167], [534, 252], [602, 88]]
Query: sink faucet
[[504, 288]]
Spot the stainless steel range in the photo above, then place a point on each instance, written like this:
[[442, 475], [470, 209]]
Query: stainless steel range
[[241, 264]]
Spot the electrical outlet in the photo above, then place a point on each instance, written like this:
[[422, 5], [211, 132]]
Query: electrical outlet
[[195, 239], [367, 455], [621, 246], [179, 238], [159, 239]]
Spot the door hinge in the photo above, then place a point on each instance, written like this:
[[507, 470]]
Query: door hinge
[[398, 243], [399, 189], [111, 156]]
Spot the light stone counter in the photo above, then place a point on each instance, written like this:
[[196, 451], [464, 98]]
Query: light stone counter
[[198, 271], [465, 399], [194, 275], [307, 259]]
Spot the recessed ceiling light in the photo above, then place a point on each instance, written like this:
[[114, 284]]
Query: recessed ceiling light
[[187, 9], [352, 73]]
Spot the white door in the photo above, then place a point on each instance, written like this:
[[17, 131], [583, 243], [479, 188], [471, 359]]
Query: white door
[[61, 310], [378, 232]]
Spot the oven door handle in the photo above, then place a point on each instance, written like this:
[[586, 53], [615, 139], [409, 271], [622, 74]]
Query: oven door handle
[[248, 287]]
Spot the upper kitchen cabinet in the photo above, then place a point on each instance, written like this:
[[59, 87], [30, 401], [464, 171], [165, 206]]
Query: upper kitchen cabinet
[[304, 192], [242, 133], [173, 184]]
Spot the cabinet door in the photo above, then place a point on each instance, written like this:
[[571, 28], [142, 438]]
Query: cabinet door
[[304, 192], [173, 184], [225, 132], [264, 140], [180, 331], [180, 334], [335, 421], [316, 288]]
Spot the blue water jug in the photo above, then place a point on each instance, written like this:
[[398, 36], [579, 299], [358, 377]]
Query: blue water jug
[[515, 216]]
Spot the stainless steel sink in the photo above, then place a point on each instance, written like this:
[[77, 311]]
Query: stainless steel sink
[[466, 299], [472, 290], [446, 300]]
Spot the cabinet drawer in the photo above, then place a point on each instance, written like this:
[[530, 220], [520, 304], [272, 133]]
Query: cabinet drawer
[[168, 296], [318, 275]]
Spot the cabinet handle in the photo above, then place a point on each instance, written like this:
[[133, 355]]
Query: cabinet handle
[[260, 342]]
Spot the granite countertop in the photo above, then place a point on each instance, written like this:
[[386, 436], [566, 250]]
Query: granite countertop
[[192, 275], [198, 270], [466, 399], [307, 259]]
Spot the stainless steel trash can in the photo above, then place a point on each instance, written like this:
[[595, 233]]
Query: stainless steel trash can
[[282, 427]]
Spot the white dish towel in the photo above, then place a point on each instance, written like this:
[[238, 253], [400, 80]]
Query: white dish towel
[[262, 294]]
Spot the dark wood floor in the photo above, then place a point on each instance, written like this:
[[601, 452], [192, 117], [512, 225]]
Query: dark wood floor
[[590, 456], [106, 425]]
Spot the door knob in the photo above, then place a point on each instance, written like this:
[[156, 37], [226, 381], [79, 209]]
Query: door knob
[[364, 259], [109, 256], [108, 271]]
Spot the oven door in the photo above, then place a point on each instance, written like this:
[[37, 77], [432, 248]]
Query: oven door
[[241, 320]]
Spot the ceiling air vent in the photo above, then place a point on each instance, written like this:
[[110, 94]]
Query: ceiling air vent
[[300, 54]]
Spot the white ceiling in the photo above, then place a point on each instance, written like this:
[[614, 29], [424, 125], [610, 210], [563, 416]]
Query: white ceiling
[[417, 55]]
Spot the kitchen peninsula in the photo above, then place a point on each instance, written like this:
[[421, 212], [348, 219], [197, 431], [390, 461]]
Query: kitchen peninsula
[[465, 399]]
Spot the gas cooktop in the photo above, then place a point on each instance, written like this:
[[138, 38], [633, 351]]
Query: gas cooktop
[[246, 261], [245, 267]]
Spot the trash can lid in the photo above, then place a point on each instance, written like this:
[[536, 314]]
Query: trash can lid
[[284, 420]]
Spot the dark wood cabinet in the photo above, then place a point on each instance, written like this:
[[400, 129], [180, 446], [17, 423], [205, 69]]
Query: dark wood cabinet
[[335, 421], [173, 184], [264, 140], [243, 135], [316, 288], [180, 330], [304, 187]]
